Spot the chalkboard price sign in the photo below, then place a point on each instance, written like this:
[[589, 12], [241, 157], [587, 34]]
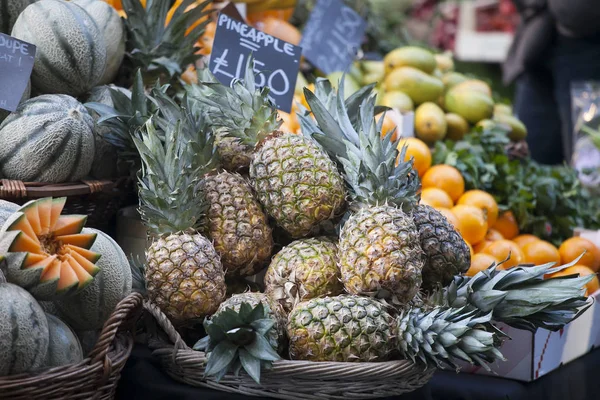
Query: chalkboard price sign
[[332, 36], [276, 62], [16, 64]]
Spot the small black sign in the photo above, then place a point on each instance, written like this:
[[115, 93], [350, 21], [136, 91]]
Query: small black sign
[[332, 36], [276, 62], [16, 64]]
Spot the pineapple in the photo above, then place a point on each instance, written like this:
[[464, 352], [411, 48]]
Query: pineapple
[[303, 270], [456, 324], [184, 275], [237, 225], [295, 181], [160, 42], [344, 328], [379, 247], [446, 252], [247, 331]]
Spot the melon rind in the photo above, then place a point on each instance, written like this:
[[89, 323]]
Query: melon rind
[[6, 210], [90, 308], [10, 11], [24, 334], [64, 347], [71, 53], [48, 139]]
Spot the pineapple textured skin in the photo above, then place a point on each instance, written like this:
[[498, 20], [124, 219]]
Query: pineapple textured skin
[[237, 225], [184, 277], [304, 270], [446, 252], [297, 183], [235, 156], [380, 254], [342, 329]]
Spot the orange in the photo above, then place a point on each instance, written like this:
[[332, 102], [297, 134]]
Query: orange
[[507, 225], [493, 235], [447, 178], [525, 239], [190, 76], [280, 29], [450, 216], [481, 262], [574, 247], [471, 223], [501, 249], [290, 122], [583, 270], [257, 16], [436, 198], [388, 126], [541, 252], [479, 247], [310, 87], [420, 151], [206, 41], [483, 200]]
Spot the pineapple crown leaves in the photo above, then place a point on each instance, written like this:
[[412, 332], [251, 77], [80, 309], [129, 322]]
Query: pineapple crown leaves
[[239, 340], [244, 110], [522, 297], [159, 48], [171, 172], [349, 133], [442, 336]]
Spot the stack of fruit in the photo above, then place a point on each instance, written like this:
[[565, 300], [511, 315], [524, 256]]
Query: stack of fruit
[[330, 217], [59, 283]]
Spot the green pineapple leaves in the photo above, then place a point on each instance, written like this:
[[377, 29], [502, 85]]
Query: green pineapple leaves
[[239, 340], [522, 297]]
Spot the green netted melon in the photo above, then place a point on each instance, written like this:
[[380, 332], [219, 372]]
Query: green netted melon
[[6, 210], [71, 53], [9, 12], [23, 331], [88, 340], [26, 95], [89, 309], [105, 164], [49, 307], [63, 346], [111, 27], [49, 138]]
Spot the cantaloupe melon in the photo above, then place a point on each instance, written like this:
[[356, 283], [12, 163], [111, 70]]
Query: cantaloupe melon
[[49, 138], [90, 308], [24, 332], [88, 340], [9, 11], [24, 97], [6, 210], [71, 53], [113, 31], [46, 252], [63, 346]]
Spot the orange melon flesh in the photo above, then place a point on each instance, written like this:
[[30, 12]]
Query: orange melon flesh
[[85, 240], [83, 278], [31, 211], [44, 264], [52, 272], [31, 260], [69, 224], [22, 224], [86, 264], [44, 213], [56, 210], [68, 277], [25, 244], [88, 254]]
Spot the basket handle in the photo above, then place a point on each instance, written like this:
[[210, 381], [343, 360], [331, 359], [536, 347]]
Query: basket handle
[[166, 325], [126, 307]]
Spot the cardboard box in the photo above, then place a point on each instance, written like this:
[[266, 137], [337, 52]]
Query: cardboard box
[[531, 356]]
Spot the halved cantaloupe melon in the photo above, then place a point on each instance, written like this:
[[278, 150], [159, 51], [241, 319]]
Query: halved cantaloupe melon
[[46, 252]]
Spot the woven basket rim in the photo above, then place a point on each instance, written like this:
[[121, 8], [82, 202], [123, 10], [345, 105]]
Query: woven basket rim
[[109, 354], [332, 380], [15, 189]]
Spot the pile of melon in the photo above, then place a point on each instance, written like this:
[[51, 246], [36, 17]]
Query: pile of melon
[[51, 137], [59, 283]]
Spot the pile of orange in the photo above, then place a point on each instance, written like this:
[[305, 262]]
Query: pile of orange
[[493, 236]]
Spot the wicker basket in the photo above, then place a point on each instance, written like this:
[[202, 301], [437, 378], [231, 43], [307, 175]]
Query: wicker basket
[[94, 378], [290, 379], [99, 200]]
